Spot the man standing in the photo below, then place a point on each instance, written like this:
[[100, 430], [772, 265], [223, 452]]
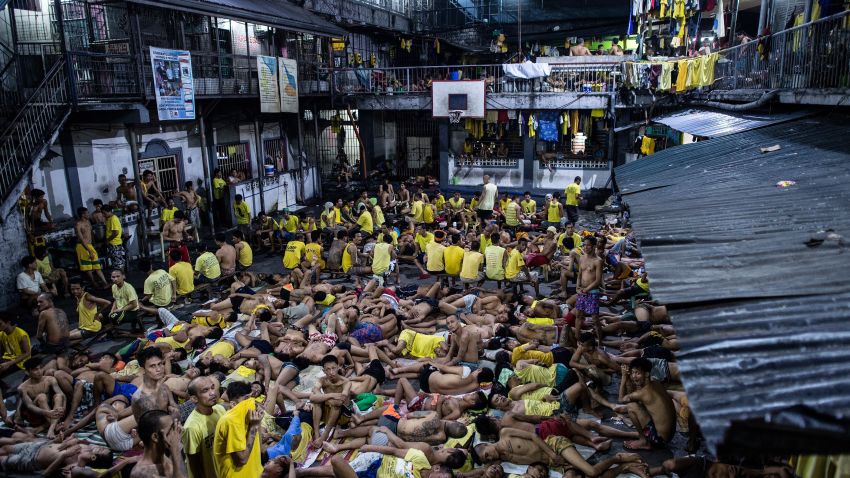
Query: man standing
[[579, 49], [236, 446], [86, 254], [53, 331], [243, 215], [199, 429], [573, 195], [159, 433], [114, 243], [190, 201], [218, 187], [489, 192], [587, 288]]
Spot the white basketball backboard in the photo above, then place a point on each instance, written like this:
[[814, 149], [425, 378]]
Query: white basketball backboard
[[464, 95]]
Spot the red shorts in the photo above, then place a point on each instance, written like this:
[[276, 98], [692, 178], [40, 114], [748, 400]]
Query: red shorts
[[550, 427], [536, 260]]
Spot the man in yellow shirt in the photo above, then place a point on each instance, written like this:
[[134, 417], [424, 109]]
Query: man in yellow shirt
[[207, 268], [417, 210], [456, 210], [199, 429], [470, 270], [421, 239], [243, 215], [453, 258], [236, 446], [434, 252], [573, 195], [125, 305], [529, 207], [160, 288], [383, 259], [183, 275], [517, 271], [218, 187], [289, 224], [14, 345], [365, 223], [114, 243], [495, 258], [244, 254], [294, 251]]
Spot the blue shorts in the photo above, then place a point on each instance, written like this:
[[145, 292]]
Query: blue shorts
[[125, 389]]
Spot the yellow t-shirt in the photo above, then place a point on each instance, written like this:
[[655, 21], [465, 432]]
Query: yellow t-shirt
[[291, 224], [434, 250], [553, 212], [514, 265], [540, 408], [87, 316], [172, 342], [471, 264], [440, 202], [43, 266], [528, 206], [218, 185], [292, 256], [199, 434], [423, 241], [473, 204], [417, 210], [314, 251], [11, 344], [484, 242], [184, 276], [223, 348], [511, 214], [113, 224], [428, 214], [522, 353], [420, 345], [393, 233], [366, 223], [338, 214], [453, 260], [576, 242], [207, 265], [456, 204], [379, 216], [230, 437], [347, 260], [327, 220], [246, 255], [243, 214], [158, 286], [124, 295], [538, 374], [572, 193], [410, 466], [167, 214], [381, 258], [495, 267]]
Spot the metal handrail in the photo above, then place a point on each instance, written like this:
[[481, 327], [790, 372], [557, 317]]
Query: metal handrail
[[35, 122], [812, 55]]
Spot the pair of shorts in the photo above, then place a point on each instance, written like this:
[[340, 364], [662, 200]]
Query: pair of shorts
[[553, 427], [588, 302], [536, 260], [263, 346], [479, 278], [125, 389], [484, 214], [434, 303], [328, 339], [389, 422], [367, 333], [523, 277], [650, 433]]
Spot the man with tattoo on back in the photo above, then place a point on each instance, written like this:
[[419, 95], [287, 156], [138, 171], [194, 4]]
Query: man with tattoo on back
[[53, 330]]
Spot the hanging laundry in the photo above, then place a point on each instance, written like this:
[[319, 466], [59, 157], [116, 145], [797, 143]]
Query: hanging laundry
[[437, 45], [707, 70], [665, 81], [548, 126], [647, 146], [503, 116], [574, 122], [492, 116], [597, 113], [531, 132], [520, 123], [695, 72], [682, 75], [565, 123]]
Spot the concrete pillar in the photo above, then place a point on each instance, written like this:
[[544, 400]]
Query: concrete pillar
[[443, 148], [72, 175], [763, 20], [529, 156]]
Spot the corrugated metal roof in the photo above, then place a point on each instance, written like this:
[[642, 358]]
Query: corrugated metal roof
[[713, 123], [763, 319], [275, 13]]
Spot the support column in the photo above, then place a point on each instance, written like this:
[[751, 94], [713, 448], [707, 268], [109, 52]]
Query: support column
[[763, 16], [443, 147], [261, 170], [301, 153], [142, 222], [72, 174], [807, 11], [733, 23], [316, 147], [528, 159], [205, 160]]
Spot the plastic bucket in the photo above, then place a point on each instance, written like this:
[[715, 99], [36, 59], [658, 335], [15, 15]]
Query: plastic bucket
[[269, 169], [455, 75]]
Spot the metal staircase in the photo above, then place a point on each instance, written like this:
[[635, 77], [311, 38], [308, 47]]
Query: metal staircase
[[33, 129]]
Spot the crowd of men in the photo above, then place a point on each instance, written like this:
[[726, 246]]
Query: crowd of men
[[333, 364]]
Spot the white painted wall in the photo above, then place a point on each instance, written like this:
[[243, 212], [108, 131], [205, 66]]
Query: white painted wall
[[559, 178], [503, 177]]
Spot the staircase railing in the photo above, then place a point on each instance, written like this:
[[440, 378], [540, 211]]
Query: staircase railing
[[30, 131]]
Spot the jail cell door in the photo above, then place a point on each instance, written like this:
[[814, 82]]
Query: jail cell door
[[165, 171]]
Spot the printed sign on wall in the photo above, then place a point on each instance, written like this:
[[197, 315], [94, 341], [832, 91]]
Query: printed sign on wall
[[172, 84], [267, 76], [288, 78]]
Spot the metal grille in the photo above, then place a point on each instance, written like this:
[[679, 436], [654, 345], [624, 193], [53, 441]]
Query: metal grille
[[578, 164], [165, 169], [275, 150], [417, 152], [337, 140], [232, 156]]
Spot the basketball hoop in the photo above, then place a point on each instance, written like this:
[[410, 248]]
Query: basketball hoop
[[454, 116]]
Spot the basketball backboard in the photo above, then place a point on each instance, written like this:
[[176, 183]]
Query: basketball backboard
[[467, 96]]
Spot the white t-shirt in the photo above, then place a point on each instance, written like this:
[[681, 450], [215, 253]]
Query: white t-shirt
[[25, 282], [488, 197]]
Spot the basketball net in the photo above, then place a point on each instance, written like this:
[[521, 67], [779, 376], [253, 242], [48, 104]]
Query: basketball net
[[454, 116]]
